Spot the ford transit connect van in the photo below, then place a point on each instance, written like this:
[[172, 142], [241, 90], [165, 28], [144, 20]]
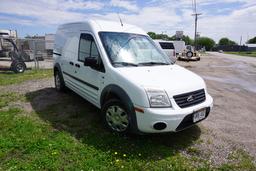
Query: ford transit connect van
[[120, 70]]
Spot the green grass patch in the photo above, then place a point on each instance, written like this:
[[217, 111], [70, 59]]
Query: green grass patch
[[250, 54], [240, 161], [9, 77], [28, 144], [68, 135], [6, 98]]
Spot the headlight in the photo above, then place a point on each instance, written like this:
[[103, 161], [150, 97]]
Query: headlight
[[158, 98]]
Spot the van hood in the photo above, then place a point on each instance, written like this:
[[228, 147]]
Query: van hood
[[171, 78]]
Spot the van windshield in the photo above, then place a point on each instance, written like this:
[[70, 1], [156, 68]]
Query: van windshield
[[127, 49]]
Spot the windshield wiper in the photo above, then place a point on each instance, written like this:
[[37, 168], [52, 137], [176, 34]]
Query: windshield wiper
[[153, 63], [125, 64]]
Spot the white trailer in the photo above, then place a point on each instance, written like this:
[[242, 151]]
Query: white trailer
[[180, 47]]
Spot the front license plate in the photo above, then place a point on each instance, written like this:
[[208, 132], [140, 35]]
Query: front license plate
[[199, 115]]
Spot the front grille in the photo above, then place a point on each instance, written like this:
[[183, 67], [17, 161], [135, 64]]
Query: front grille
[[190, 99]]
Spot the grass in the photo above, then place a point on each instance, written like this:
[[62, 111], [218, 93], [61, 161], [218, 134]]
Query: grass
[[67, 134], [9, 77], [55, 139], [250, 54]]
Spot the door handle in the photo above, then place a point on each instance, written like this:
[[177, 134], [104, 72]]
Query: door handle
[[71, 63], [77, 65]]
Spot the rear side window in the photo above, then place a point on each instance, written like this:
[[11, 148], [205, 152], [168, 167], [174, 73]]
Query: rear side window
[[166, 45], [87, 47]]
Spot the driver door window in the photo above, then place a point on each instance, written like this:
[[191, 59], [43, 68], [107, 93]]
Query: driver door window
[[87, 48]]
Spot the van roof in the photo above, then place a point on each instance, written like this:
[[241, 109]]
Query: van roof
[[102, 25], [165, 41]]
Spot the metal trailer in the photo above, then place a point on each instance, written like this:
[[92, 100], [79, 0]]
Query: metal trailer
[[189, 54], [15, 59]]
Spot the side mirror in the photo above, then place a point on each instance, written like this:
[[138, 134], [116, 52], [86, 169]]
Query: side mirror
[[91, 62]]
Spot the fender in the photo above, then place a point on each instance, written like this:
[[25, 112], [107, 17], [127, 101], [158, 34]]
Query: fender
[[113, 89]]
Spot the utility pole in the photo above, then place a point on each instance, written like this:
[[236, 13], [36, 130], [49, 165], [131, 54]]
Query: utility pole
[[196, 18], [240, 46]]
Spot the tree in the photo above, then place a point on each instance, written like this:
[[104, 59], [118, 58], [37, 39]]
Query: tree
[[152, 35], [226, 41], [252, 40], [206, 42], [186, 39]]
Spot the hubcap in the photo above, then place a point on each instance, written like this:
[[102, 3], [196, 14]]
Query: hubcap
[[117, 118], [19, 67], [57, 81]]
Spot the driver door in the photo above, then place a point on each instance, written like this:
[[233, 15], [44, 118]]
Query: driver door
[[90, 78]]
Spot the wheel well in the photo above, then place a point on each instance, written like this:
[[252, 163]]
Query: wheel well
[[109, 95], [114, 91], [56, 69]]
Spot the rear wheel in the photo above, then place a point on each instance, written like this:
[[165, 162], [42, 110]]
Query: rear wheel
[[59, 81], [115, 116], [189, 54], [18, 67]]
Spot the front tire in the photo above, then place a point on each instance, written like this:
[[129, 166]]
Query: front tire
[[116, 117], [59, 82]]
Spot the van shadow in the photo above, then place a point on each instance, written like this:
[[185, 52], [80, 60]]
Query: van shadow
[[70, 113]]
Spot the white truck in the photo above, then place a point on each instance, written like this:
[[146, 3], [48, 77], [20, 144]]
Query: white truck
[[118, 68]]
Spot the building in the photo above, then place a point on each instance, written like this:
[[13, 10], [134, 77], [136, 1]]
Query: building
[[49, 41]]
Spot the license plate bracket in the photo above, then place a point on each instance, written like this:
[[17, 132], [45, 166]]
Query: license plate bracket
[[199, 115]]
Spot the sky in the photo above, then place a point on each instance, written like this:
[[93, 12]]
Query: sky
[[220, 18]]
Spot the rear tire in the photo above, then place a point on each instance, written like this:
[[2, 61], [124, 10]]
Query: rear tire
[[18, 66], [189, 54], [59, 81]]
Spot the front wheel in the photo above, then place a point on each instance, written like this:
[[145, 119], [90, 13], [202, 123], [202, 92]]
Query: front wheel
[[115, 116]]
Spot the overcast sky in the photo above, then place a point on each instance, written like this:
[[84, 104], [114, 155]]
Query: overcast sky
[[221, 18]]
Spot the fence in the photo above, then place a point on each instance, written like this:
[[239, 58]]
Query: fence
[[35, 48], [231, 48]]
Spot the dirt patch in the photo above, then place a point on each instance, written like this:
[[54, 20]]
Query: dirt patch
[[28, 86]]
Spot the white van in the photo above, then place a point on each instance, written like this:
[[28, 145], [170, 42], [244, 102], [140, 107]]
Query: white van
[[168, 48], [120, 70]]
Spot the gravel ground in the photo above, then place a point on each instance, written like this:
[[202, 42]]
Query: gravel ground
[[232, 122]]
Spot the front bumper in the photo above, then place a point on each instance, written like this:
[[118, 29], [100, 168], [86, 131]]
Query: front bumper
[[175, 119]]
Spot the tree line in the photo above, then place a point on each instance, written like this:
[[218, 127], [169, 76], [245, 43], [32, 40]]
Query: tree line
[[206, 42]]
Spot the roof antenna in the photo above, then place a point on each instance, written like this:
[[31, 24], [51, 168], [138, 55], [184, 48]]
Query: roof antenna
[[120, 19]]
